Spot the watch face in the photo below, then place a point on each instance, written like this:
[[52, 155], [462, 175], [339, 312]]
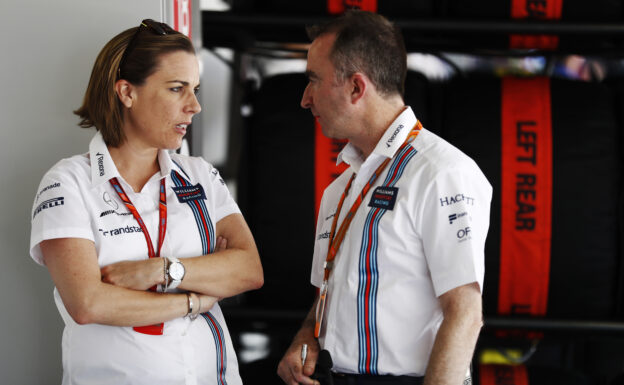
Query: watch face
[[176, 271]]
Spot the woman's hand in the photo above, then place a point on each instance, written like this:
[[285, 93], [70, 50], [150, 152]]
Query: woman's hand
[[221, 244], [234, 266], [143, 274], [137, 275], [207, 302]]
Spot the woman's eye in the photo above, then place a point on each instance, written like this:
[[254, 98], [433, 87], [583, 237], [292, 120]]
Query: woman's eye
[[176, 89]]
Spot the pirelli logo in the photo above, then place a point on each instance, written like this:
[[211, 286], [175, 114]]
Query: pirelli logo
[[54, 202]]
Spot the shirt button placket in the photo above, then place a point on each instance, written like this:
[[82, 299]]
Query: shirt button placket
[[189, 360]]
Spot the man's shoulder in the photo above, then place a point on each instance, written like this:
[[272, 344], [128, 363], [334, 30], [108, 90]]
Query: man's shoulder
[[438, 154]]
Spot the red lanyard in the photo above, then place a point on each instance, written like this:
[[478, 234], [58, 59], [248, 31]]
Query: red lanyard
[[162, 227], [336, 238]]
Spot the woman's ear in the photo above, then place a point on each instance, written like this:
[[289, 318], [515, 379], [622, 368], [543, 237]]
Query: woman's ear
[[359, 85], [124, 89]]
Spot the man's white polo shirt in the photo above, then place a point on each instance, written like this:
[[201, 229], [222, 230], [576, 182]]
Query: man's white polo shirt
[[76, 200], [382, 312]]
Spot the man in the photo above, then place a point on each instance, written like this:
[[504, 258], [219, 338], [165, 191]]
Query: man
[[400, 286]]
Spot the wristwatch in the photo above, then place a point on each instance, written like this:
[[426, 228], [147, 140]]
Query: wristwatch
[[175, 272]]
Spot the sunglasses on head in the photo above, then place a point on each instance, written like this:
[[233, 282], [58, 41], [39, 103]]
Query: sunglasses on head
[[155, 27]]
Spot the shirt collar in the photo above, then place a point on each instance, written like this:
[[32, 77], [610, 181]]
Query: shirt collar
[[388, 145], [103, 168]]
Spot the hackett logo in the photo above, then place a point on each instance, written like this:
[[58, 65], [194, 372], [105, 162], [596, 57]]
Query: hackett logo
[[451, 200]]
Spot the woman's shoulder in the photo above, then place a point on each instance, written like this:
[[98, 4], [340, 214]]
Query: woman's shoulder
[[193, 166], [77, 166], [68, 174]]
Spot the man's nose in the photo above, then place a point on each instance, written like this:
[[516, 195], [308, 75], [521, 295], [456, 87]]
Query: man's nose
[[306, 99]]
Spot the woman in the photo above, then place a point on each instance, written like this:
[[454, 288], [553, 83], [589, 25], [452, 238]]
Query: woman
[[140, 243]]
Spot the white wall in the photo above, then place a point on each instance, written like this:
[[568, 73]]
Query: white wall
[[47, 50]]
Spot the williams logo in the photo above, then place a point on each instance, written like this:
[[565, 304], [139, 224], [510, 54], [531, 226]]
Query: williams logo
[[384, 197], [100, 162], [394, 134], [60, 201], [189, 193]]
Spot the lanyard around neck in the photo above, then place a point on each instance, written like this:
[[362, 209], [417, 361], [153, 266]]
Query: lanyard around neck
[[336, 238], [162, 216], [162, 227]]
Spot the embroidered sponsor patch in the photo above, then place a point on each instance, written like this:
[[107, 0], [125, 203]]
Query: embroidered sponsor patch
[[452, 199], [107, 199], [189, 193], [463, 234], [384, 197], [121, 230], [48, 204], [108, 212], [324, 235], [53, 185], [456, 216]]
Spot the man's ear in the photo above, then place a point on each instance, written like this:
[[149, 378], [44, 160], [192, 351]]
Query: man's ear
[[124, 89], [359, 86]]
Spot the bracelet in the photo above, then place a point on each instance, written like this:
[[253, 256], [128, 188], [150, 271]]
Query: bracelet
[[192, 311], [166, 276], [190, 304]]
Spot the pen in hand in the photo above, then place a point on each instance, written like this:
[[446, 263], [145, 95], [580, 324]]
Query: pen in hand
[[304, 353]]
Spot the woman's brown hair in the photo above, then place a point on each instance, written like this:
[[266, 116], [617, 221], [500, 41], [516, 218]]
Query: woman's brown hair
[[101, 107]]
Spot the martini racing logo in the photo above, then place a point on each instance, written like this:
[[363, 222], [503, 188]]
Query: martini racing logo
[[120, 231], [60, 201]]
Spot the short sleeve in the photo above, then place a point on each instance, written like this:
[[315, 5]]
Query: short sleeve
[[58, 211], [455, 223], [224, 203]]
